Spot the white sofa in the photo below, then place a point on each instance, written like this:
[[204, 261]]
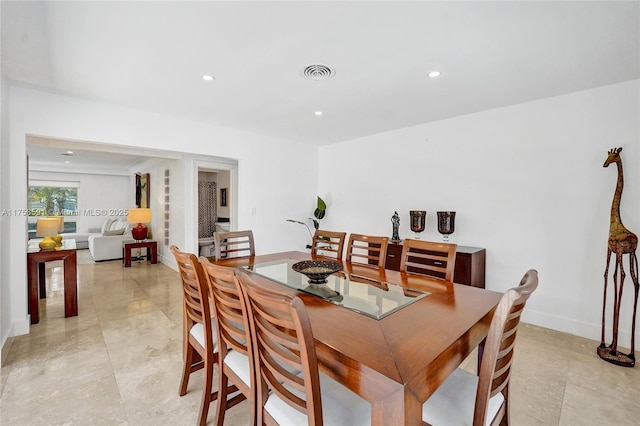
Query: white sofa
[[107, 244]]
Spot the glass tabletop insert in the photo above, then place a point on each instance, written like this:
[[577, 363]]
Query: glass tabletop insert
[[358, 293]]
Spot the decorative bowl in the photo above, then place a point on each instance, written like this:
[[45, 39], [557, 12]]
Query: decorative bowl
[[317, 270]]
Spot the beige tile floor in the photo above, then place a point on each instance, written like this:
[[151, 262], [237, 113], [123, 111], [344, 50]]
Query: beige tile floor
[[119, 361]]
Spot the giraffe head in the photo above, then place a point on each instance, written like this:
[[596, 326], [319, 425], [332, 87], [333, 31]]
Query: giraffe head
[[613, 157]]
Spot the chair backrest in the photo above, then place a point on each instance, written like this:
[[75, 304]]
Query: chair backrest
[[234, 244], [428, 258], [195, 293], [282, 343], [367, 249], [495, 368], [328, 244], [231, 322]]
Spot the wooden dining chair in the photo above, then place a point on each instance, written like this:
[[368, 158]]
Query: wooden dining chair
[[367, 249], [328, 244], [234, 347], [234, 244], [436, 260], [282, 343], [200, 346], [484, 398]]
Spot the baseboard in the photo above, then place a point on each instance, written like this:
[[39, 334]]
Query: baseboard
[[577, 328]]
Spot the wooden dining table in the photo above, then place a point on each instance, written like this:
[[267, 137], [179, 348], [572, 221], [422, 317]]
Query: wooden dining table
[[397, 361]]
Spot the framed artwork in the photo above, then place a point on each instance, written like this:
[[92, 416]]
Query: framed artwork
[[142, 190], [223, 197]]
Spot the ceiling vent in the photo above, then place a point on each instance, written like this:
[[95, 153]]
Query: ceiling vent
[[318, 72]]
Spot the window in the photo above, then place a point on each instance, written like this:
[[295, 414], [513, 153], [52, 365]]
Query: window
[[49, 198]]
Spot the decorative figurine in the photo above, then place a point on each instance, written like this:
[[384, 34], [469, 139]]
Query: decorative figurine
[[621, 242], [395, 220]]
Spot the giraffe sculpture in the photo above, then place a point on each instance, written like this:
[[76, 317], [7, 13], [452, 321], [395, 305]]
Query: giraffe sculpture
[[621, 242]]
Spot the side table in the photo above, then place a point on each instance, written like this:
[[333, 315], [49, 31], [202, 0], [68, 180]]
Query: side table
[[150, 245], [36, 259]]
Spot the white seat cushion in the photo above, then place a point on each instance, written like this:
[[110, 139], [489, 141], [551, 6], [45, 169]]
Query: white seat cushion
[[239, 363], [340, 407], [454, 402], [197, 331]]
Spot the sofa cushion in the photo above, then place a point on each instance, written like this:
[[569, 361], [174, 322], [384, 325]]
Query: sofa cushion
[[113, 232], [106, 225], [118, 224]]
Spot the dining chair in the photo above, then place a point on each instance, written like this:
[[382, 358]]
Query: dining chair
[[436, 260], [328, 244], [484, 399], [200, 345], [234, 244], [367, 249], [283, 342], [234, 347]]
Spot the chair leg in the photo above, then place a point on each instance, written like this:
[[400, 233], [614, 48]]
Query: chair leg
[[223, 390], [207, 395], [188, 360]]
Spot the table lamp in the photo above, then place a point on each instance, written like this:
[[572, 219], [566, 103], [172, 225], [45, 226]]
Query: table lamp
[[47, 227], [58, 238], [139, 216]]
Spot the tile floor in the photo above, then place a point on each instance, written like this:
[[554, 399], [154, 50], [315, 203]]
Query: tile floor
[[119, 362]]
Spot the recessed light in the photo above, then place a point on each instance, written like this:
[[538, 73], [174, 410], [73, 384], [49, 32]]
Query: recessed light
[[318, 112], [208, 77], [67, 153], [67, 162], [434, 74]]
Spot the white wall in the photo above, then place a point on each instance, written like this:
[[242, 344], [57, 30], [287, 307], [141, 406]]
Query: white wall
[[266, 196], [527, 183], [99, 196]]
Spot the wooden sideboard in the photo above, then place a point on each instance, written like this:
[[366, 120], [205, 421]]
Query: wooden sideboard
[[469, 269]]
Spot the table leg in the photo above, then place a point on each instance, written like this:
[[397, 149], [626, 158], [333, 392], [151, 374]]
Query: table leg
[[127, 256], [71, 285], [399, 408], [42, 270], [154, 253], [32, 274]]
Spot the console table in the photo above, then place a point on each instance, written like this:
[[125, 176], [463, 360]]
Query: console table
[[150, 245], [36, 259], [469, 268]]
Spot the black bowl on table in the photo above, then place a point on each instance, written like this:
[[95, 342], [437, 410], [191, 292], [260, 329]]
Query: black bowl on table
[[317, 270]]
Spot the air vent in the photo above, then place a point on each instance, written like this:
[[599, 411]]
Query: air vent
[[318, 72]]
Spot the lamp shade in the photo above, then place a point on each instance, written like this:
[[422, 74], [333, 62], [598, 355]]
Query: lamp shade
[[60, 220], [139, 216], [47, 227]]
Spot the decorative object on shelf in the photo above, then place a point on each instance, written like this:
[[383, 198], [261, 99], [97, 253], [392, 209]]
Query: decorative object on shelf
[[58, 238], [318, 214], [621, 242], [446, 224], [317, 270], [418, 221], [223, 197], [47, 227], [142, 190], [395, 223], [139, 216]]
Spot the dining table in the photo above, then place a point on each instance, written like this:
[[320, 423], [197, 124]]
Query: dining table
[[390, 337]]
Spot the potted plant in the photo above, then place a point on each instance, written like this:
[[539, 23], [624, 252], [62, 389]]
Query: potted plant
[[318, 214]]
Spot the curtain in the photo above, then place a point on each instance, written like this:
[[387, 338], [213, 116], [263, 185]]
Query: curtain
[[207, 209]]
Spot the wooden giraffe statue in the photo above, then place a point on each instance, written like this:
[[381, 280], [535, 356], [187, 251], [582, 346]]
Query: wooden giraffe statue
[[621, 242]]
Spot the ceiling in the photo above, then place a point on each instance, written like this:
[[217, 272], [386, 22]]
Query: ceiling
[[151, 56]]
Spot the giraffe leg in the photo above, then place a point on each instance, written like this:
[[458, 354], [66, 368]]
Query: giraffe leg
[[633, 267], [604, 297], [617, 302]]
